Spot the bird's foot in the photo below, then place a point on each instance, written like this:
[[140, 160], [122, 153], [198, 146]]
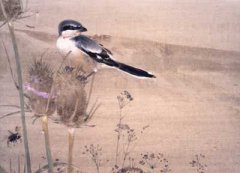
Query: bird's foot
[[81, 78], [85, 77], [69, 69]]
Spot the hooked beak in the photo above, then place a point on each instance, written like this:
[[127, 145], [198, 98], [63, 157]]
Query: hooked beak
[[82, 29]]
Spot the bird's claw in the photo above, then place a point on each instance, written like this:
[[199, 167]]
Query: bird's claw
[[69, 69], [81, 78]]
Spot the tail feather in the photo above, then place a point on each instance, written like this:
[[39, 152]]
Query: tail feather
[[127, 68], [134, 71]]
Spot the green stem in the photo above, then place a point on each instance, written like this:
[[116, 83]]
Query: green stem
[[21, 96], [47, 143], [20, 83]]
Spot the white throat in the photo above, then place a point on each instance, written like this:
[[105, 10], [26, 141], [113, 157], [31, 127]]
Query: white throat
[[65, 44], [70, 33]]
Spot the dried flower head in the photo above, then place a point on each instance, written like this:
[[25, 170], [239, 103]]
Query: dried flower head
[[124, 98], [38, 88], [155, 162], [13, 9], [71, 97], [199, 163]]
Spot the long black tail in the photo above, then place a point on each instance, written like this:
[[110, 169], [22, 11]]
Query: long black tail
[[134, 71], [127, 68]]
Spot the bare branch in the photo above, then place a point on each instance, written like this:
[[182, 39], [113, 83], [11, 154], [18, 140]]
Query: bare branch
[[9, 114], [3, 24], [15, 106]]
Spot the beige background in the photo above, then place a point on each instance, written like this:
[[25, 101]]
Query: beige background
[[207, 23], [192, 106]]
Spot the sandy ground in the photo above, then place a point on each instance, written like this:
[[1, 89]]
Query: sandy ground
[[192, 107]]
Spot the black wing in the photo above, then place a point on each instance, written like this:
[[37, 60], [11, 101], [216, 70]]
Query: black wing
[[103, 55], [94, 50]]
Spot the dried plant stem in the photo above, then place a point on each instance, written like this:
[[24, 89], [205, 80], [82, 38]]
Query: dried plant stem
[[20, 82], [71, 132], [47, 143], [118, 136], [10, 67], [19, 164], [9, 63], [126, 153], [10, 166], [90, 90], [96, 164]]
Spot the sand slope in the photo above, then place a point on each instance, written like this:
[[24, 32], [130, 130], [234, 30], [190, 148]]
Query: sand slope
[[192, 106]]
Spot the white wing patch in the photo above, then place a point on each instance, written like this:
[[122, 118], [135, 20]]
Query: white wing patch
[[98, 57]]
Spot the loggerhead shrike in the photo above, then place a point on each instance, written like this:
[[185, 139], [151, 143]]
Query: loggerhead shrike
[[87, 53]]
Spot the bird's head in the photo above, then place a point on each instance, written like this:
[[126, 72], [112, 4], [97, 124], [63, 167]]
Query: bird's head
[[69, 27]]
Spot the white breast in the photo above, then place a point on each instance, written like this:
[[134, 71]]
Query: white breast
[[65, 45], [76, 57]]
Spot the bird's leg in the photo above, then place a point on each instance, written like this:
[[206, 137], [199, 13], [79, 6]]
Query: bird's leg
[[90, 74], [82, 77]]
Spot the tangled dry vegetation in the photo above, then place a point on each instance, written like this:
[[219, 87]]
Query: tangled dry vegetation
[[13, 9]]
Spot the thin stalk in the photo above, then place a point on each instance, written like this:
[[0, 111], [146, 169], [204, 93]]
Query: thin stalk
[[126, 154], [119, 136], [47, 143], [97, 165], [19, 164], [90, 90], [71, 132], [20, 82], [10, 166]]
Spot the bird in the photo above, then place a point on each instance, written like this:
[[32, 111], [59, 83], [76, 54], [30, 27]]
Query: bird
[[88, 54]]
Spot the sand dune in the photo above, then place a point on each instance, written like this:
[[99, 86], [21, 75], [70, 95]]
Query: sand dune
[[191, 107]]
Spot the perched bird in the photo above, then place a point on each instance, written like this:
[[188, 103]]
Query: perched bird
[[88, 54]]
